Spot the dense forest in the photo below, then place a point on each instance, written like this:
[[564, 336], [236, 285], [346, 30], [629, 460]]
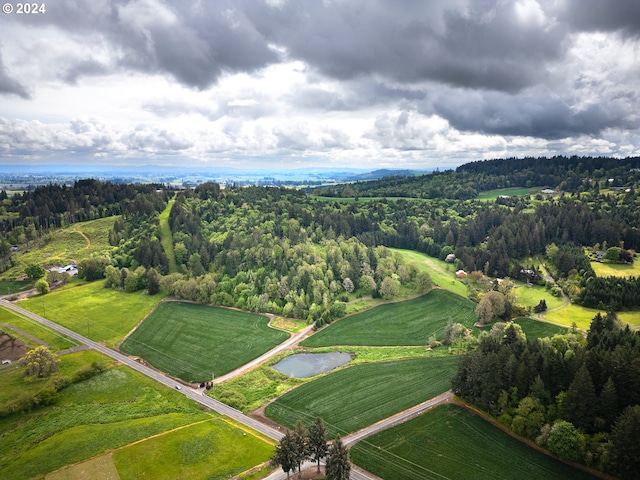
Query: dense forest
[[576, 396]]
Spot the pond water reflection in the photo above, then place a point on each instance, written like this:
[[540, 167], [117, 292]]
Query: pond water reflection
[[303, 365]]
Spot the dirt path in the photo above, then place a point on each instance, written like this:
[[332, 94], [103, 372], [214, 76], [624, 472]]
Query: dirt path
[[24, 334], [85, 237]]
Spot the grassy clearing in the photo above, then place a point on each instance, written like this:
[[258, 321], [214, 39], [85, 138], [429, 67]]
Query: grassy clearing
[[102, 314], [355, 397], [531, 296], [53, 339], [288, 324], [193, 341], [410, 322], [67, 245], [616, 269], [212, 449], [12, 286], [538, 329], [110, 410], [492, 195], [166, 238], [450, 442], [442, 273], [582, 316], [98, 468]]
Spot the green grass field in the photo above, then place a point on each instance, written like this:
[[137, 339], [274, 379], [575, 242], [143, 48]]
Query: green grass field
[[531, 296], [53, 339], [193, 342], [108, 411], [538, 329], [66, 246], [442, 273], [582, 316], [166, 237], [358, 396], [211, 449], [102, 314], [449, 442], [616, 269], [492, 195], [410, 322]]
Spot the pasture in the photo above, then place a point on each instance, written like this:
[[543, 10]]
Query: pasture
[[582, 316], [358, 396], [492, 195], [616, 269], [409, 322], [450, 442], [539, 329], [66, 245], [531, 296], [101, 314], [193, 342], [110, 410], [209, 449], [442, 273]]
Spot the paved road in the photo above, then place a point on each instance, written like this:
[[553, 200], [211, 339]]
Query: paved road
[[160, 377], [396, 419], [153, 374]]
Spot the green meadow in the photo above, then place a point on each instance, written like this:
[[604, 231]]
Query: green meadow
[[616, 269], [409, 322], [102, 314], [492, 195], [539, 329], [194, 342], [450, 442], [531, 296], [442, 273], [66, 245], [358, 396], [108, 411], [210, 449]]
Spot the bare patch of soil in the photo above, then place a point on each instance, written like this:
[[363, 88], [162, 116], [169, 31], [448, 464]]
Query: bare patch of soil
[[11, 348]]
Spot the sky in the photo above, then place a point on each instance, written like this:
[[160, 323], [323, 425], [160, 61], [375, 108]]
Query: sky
[[287, 84]]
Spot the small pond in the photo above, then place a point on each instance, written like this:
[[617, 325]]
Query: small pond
[[303, 365]]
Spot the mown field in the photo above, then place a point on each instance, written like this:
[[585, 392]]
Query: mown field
[[193, 342], [492, 195], [358, 396], [102, 314], [410, 322], [442, 273], [450, 442], [538, 329], [54, 340], [113, 409], [616, 269], [531, 296], [582, 316], [66, 245], [211, 449]]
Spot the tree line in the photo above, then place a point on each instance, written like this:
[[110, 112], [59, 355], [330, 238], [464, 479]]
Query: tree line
[[578, 397]]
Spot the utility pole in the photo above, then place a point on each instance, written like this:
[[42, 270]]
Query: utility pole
[[44, 312], [88, 330]]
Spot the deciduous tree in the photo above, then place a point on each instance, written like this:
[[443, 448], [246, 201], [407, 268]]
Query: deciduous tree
[[39, 362], [318, 441]]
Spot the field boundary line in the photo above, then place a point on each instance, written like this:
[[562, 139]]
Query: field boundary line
[[455, 400], [83, 236]]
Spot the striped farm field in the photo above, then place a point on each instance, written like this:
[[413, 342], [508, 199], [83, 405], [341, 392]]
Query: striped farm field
[[358, 396], [193, 342], [450, 442], [410, 322]]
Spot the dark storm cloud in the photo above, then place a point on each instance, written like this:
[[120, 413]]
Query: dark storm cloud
[[534, 115], [604, 15], [195, 43], [482, 46], [9, 85]]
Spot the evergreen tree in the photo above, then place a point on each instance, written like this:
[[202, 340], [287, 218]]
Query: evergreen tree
[[284, 454], [318, 441], [625, 448], [580, 401], [299, 445], [338, 466]]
